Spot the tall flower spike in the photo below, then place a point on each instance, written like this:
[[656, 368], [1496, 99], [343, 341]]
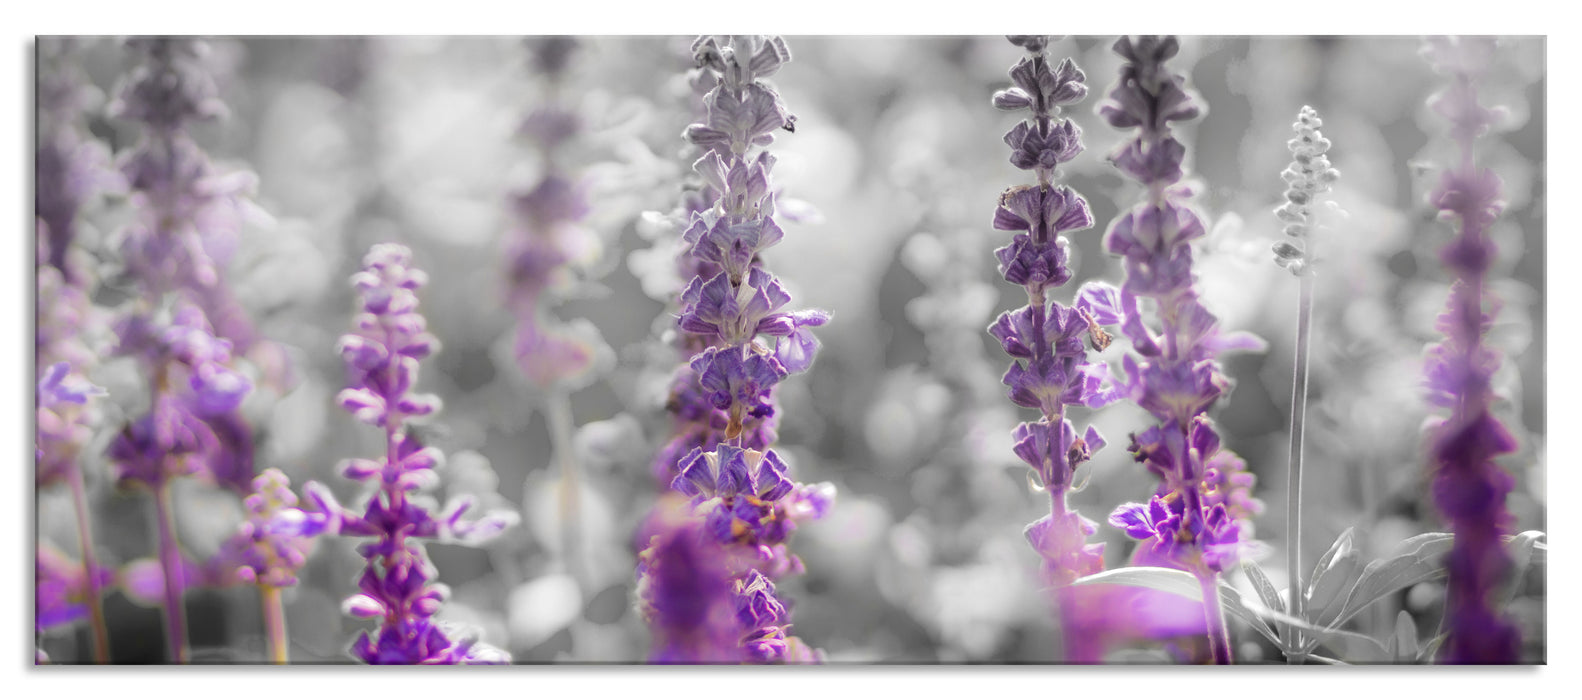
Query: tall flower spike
[[744, 504], [1175, 374], [1469, 486], [183, 322], [1307, 177], [546, 248], [73, 169], [1046, 340], [258, 555], [399, 587], [671, 271]]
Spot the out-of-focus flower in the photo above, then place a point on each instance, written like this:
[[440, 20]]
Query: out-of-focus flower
[[61, 588], [256, 554], [1469, 486], [399, 586]]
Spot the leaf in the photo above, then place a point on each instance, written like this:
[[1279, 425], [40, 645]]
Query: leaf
[[1182, 584], [1419, 562], [1261, 583], [1325, 599], [1266, 592], [1371, 649], [1526, 549], [1342, 544], [1174, 581], [1403, 646], [1426, 656]]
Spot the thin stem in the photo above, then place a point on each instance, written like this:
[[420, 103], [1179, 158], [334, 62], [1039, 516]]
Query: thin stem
[[1293, 503], [275, 625], [170, 561], [1214, 611], [101, 632], [557, 409]]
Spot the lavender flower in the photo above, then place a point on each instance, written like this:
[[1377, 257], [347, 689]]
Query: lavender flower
[[684, 590], [192, 384], [189, 212], [65, 422], [1175, 374], [183, 322], [71, 167], [64, 589], [72, 170], [1469, 487], [1308, 176], [747, 505], [398, 584], [547, 249], [1049, 368], [258, 555], [547, 238]]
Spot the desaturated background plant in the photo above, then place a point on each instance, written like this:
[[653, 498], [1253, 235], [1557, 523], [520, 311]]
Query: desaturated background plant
[[517, 175]]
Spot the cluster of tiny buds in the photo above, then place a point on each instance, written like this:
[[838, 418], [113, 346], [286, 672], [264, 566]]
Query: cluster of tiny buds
[[1308, 176]]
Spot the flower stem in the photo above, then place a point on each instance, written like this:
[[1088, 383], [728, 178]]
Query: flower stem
[[275, 625], [1293, 503], [170, 561], [557, 409], [101, 632], [1214, 611]]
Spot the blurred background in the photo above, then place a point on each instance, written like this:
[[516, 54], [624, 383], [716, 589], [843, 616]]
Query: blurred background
[[893, 174]]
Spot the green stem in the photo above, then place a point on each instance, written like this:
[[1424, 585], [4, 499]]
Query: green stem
[[275, 625], [557, 409], [101, 631], [1297, 603], [170, 561], [1214, 610]]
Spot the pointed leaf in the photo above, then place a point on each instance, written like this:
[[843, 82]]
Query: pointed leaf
[[1403, 646], [1426, 656], [1326, 598], [1261, 583], [1342, 543], [1420, 561], [1266, 592], [1526, 549]]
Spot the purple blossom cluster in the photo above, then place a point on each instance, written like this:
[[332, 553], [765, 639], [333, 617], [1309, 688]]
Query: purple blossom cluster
[[547, 236], [399, 585], [1469, 486], [63, 588], [189, 212], [743, 506], [72, 170], [256, 553], [714, 554], [1174, 374], [191, 424], [1050, 368]]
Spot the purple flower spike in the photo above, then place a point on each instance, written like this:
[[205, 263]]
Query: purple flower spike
[[1050, 368], [741, 343], [1174, 374], [398, 585], [1469, 485], [260, 553]]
